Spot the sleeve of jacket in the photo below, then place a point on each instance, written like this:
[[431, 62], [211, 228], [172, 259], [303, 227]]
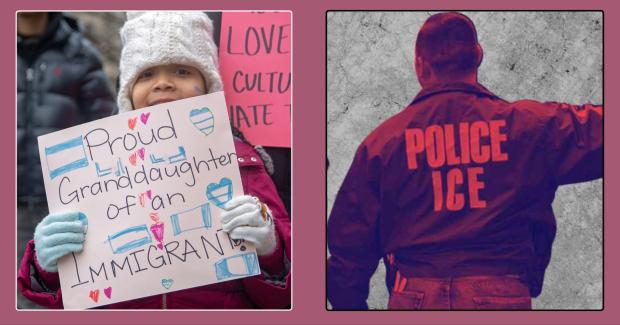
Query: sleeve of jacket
[[36, 284], [270, 289], [95, 99], [543, 234], [352, 234], [575, 135]]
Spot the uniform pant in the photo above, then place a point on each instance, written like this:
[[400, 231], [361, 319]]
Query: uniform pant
[[464, 293]]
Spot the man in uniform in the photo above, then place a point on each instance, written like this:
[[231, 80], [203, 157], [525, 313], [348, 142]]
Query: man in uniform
[[455, 191]]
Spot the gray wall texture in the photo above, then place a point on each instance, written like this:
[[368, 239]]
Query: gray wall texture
[[545, 56]]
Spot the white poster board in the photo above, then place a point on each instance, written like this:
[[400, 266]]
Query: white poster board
[[151, 183]]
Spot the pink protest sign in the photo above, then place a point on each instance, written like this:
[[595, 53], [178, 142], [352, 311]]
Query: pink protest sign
[[255, 63]]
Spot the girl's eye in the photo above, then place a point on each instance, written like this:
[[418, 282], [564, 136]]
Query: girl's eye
[[145, 74], [183, 71]]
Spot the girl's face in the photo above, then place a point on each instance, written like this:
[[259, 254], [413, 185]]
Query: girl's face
[[166, 83]]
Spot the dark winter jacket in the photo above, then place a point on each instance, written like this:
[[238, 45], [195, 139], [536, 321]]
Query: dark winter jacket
[[60, 83], [459, 183]]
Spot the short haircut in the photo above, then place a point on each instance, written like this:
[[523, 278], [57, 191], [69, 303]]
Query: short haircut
[[448, 42]]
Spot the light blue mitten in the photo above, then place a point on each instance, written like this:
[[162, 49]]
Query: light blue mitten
[[58, 235]]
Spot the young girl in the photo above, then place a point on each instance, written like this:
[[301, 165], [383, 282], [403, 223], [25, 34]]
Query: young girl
[[169, 56]]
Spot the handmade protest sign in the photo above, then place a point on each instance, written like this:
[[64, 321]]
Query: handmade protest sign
[[255, 65], [151, 183]]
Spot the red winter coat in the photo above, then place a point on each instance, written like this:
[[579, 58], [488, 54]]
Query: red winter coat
[[43, 287], [459, 183]]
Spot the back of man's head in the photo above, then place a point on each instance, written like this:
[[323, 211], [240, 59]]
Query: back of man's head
[[449, 44]]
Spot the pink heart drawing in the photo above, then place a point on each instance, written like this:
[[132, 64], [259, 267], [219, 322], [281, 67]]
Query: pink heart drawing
[[158, 232], [141, 153], [108, 292], [148, 194], [132, 122], [141, 199], [132, 159], [94, 295], [144, 117]]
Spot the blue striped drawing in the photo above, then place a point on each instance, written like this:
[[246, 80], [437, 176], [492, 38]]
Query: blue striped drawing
[[203, 119], [102, 172], [220, 193], [195, 218], [128, 239], [66, 156], [178, 157], [249, 267], [119, 168], [155, 159], [84, 220]]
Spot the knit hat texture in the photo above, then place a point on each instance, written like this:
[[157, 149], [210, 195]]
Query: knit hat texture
[[154, 38]]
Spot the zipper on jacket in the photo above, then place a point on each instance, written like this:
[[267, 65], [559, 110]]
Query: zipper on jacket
[[164, 303], [28, 100], [29, 74], [28, 91]]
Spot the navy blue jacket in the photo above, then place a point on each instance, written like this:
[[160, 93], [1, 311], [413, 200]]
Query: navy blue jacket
[[459, 183], [60, 83]]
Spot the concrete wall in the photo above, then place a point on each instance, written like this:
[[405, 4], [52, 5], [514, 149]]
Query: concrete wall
[[546, 56]]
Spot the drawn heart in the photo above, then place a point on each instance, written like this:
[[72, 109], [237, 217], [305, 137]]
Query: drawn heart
[[220, 193], [132, 122], [132, 159], [141, 153], [167, 283], [94, 295], [203, 119], [108, 292], [158, 232], [144, 117], [148, 194]]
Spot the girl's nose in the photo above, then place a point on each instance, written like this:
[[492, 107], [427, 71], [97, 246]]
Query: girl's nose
[[163, 82]]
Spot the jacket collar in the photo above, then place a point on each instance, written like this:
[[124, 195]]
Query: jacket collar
[[57, 31], [462, 87]]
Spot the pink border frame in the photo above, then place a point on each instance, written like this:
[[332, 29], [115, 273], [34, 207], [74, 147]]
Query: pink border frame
[[309, 172]]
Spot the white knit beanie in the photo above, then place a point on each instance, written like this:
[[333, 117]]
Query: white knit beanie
[[155, 38]]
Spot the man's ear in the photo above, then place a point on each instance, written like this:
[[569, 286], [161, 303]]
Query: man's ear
[[480, 54], [417, 64], [421, 69]]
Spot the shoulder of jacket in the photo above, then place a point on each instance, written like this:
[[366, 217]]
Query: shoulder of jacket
[[542, 109], [79, 46], [388, 130], [246, 155]]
